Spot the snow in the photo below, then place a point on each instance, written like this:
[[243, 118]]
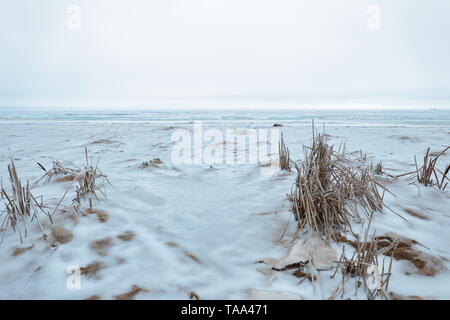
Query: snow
[[201, 228]]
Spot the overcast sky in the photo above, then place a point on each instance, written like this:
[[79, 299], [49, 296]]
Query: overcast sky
[[192, 53]]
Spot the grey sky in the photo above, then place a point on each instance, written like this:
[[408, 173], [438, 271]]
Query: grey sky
[[152, 53]]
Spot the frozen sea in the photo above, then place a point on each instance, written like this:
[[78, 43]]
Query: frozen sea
[[426, 117]]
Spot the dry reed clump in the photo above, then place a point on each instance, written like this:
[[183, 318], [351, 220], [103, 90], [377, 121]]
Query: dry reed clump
[[329, 191], [283, 153], [428, 170], [68, 174], [87, 187], [21, 206], [364, 266]]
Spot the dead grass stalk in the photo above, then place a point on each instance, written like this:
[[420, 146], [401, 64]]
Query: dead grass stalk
[[364, 265], [428, 170], [284, 158], [330, 191], [21, 206]]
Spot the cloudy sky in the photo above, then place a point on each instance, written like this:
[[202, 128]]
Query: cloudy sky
[[192, 53]]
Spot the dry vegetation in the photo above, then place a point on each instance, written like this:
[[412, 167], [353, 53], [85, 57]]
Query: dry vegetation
[[283, 152], [330, 192], [428, 171], [364, 266], [85, 179], [428, 174], [88, 188], [21, 206], [69, 174]]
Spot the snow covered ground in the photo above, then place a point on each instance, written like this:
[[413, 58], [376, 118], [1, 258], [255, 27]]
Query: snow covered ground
[[201, 228]]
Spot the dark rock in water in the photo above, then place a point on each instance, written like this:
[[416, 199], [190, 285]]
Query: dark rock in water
[[152, 163]]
